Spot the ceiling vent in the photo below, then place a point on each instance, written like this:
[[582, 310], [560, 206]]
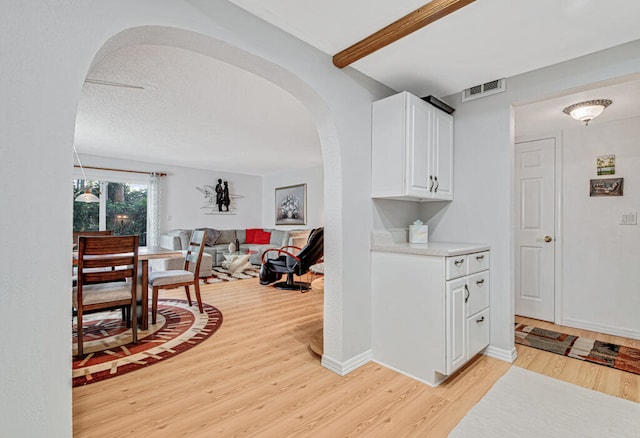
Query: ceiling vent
[[483, 90]]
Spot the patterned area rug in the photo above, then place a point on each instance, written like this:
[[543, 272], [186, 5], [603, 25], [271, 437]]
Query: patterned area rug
[[590, 350], [109, 351], [220, 275]]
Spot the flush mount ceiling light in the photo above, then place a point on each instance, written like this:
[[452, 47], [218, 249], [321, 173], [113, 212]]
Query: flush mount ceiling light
[[587, 111]]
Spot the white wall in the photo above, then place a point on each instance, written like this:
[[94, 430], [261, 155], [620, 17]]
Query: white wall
[[46, 53], [483, 170], [600, 274], [182, 204], [314, 179]]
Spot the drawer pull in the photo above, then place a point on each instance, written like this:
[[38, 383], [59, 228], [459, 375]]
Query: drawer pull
[[431, 186], [468, 293], [479, 282], [479, 320], [458, 262], [480, 257]]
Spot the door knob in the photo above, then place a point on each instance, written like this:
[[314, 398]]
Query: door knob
[[548, 239]]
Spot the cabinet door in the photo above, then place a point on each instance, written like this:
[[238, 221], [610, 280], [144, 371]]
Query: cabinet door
[[442, 155], [456, 326], [419, 178]]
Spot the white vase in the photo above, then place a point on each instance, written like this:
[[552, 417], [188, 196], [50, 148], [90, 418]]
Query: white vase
[[232, 247]]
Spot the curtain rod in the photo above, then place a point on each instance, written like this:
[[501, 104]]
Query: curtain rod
[[120, 170]]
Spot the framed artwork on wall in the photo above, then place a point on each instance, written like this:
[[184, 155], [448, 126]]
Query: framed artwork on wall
[[606, 165], [606, 187], [291, 205]]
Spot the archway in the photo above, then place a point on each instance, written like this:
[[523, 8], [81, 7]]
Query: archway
[[320, 114]]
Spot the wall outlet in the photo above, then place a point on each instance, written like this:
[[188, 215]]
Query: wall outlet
[[629, 218]]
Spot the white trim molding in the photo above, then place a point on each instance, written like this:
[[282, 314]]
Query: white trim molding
[[501, 354], [344, 368], [600, 328]]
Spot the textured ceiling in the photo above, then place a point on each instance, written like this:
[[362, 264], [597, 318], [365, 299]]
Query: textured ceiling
[[486, 40], [194, 111], [198, 112]]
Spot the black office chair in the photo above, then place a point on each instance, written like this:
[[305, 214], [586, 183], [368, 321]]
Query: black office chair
[[290, 264]]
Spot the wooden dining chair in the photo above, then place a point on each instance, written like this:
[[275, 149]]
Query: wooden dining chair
[[107, 278], [186, 277]]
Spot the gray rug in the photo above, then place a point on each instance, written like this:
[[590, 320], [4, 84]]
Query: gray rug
[[526, 404]]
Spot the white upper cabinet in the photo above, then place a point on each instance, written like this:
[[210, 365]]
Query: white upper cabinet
[[412, 150]]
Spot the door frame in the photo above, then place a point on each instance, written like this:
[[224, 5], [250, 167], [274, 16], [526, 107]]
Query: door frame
[[557, 225]]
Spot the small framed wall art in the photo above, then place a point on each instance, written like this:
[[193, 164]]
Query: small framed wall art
[[606, 165], [606, 187], [291, 205]]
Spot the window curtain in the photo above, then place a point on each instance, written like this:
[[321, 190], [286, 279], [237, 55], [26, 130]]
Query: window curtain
[[153, 212]]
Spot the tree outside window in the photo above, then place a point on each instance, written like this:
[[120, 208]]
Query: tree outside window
[[122, 209]]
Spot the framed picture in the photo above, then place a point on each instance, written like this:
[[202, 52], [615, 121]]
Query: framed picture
[[291, 205], [606, 165], [606, 187]]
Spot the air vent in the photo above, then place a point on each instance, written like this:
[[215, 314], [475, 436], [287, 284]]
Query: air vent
[[483, 90]]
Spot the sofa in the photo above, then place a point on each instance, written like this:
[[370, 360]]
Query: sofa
[[254, 241]]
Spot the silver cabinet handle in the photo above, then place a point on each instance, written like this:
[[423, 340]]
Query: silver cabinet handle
[[431, 186], [480, 257], [435, 190], [468, 293], [458, 262], [479, 282], [481, 319]]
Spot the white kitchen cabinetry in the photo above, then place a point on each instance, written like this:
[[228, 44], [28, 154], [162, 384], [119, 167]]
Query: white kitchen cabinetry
[[431, 310], [412, 150]]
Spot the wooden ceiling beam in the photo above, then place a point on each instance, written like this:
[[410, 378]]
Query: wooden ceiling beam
[[417, 19]]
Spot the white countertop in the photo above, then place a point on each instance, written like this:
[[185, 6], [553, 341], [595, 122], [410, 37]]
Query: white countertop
[[395, 241]]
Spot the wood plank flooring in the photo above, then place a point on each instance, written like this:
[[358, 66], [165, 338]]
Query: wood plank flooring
[[256, 376], [597, 377]]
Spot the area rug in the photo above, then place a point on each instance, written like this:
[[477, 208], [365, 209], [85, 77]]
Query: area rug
[[221, 274], [109, 351], [590, 350], [526, 404]]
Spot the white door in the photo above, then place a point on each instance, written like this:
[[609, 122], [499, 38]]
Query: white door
[[534, 229]]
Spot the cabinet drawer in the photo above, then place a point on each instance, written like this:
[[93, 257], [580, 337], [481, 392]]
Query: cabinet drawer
[[478, 285], [478, 262], [456, 267], [478, 332]]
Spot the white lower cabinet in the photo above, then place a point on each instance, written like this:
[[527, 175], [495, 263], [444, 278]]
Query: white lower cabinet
[[431, 315]]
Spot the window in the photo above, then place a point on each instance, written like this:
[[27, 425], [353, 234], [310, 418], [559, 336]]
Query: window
[[122, 208]]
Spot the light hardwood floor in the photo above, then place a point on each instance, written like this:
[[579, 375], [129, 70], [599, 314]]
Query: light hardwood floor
[[256, 376]]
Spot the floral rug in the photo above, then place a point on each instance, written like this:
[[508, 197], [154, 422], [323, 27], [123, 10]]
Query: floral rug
[[107, 341], [590, 350]]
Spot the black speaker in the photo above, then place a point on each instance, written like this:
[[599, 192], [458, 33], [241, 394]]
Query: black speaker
[[438, 104]]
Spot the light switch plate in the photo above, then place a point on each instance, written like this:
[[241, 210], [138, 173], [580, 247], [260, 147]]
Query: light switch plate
[[629, 218]]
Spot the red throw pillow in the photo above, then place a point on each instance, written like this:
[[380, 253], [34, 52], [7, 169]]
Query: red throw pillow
[[251, 235], [262, 237]]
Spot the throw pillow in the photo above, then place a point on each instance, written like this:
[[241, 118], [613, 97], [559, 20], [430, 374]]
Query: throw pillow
[[251, 235], [212, 236], [278, 238], [262, 237], [226, 237]]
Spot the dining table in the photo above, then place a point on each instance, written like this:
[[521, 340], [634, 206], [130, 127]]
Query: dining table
[[146, 253]]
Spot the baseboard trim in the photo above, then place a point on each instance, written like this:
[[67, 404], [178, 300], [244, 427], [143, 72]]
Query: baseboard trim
[[501, 354], [344, 368], [600, 328], [433, 384]]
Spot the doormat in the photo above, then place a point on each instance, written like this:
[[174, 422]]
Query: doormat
[[590, 350], [110, 353]]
